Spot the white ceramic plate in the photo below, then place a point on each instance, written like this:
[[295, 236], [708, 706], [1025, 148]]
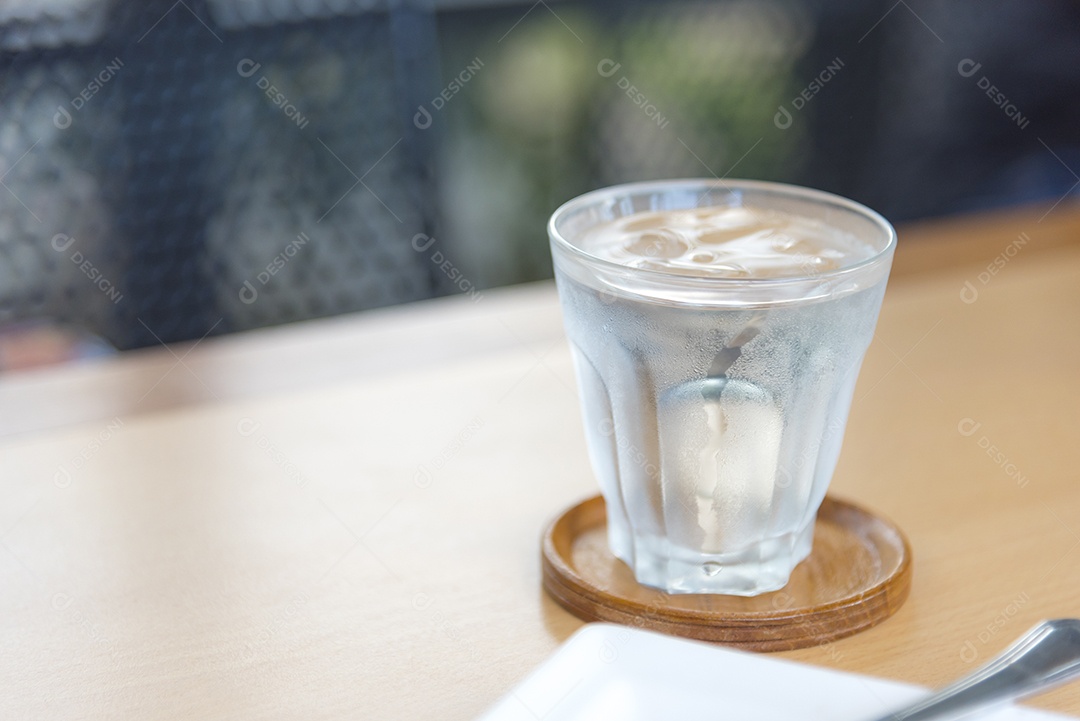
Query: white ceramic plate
[[615, 673]]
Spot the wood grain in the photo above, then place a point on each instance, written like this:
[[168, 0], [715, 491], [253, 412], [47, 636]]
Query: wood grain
[[858, 574], [341, 519]]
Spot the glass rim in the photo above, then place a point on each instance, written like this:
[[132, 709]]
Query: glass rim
[[788, 190]]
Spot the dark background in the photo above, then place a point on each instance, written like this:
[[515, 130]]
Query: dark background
[[184, 183]]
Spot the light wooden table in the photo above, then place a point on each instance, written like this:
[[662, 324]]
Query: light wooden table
[[340, 519]]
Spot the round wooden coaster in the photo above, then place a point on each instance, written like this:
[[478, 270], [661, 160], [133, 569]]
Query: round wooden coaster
[[857, 575]]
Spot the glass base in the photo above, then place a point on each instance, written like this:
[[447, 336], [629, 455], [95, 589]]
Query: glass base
[[750, 572]]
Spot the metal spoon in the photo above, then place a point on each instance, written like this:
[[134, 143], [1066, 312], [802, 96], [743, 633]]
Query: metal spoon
[[1046, 656]]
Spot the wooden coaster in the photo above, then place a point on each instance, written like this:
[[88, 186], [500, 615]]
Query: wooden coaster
[[858, 574]]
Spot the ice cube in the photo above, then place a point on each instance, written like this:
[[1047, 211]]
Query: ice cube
[[660, 243], [720, 445]]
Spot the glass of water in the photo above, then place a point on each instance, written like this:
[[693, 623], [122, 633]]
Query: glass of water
[[717, 330]]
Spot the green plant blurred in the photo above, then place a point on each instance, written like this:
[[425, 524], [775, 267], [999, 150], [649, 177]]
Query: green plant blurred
[[573, 98]]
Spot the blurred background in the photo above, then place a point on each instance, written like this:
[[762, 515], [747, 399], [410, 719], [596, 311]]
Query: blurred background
[[177, 169]]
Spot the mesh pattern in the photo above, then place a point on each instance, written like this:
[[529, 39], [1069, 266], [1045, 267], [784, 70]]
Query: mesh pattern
[[307, 177], [30, 24], [175, 178], [58, 258]]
